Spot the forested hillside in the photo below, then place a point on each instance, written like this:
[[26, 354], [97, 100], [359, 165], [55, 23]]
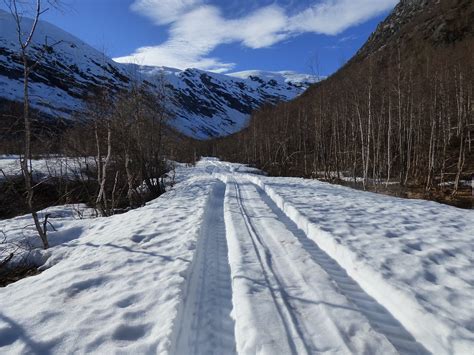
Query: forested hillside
[[401, 110]]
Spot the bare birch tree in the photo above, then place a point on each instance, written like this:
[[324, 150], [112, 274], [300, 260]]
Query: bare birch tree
[[25, 35]]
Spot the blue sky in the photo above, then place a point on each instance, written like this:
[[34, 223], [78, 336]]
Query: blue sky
[[225, 35]]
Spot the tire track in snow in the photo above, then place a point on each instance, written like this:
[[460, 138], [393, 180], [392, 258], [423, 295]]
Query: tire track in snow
[[285, 303], [205, 325], [295, 335], [377, 315]]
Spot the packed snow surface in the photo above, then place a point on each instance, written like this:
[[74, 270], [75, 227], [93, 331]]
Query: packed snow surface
[[233, 262]]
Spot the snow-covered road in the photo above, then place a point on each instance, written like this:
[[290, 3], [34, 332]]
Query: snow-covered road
[[237, 263], [302, 300], [204, 324]]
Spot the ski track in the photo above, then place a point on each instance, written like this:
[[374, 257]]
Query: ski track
[[379, 318], [296, 340], [205, 325], [287, 296], [289, 289]]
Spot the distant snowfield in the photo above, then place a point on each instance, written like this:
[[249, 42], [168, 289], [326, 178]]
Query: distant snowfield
[[286, 76], [234, 262], [47, 167]]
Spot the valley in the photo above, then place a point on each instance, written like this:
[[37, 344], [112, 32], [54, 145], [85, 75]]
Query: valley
[[168, 198]]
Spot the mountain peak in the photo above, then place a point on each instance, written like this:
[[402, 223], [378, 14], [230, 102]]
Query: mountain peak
[[413, 22]]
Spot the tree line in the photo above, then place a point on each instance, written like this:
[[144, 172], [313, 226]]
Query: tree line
[[391, 117], [115, 154]]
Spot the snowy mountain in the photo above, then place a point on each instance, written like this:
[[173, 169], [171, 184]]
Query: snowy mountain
[[281, 77], [207, 104], [203, 104]]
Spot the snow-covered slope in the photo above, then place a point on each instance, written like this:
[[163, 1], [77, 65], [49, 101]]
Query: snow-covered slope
[[281, 77], [203, 104], [208, 104], [69, 69]]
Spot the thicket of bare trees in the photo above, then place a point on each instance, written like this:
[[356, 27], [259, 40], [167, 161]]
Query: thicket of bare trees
[[391, 117], [122, 147], [117, 155], [114, 156]]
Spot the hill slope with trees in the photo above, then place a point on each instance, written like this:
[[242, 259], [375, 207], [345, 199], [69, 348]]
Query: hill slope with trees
[[400, 111]]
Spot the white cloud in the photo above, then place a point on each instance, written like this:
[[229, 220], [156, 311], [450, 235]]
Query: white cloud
[[348, 38], [332, 17], [164, 12], [201, 30], [197, 29], [262, 29]]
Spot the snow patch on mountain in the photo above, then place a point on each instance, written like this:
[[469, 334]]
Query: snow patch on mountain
[[286, 76]]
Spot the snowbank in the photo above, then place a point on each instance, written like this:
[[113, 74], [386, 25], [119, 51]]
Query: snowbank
[[48, 167], [115, 286], [415, 257]]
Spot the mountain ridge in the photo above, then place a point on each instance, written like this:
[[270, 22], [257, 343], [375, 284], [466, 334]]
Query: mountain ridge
[[202, 104], [438, 23]]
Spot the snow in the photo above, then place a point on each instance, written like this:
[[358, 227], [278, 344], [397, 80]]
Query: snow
[[222, 103], [115, 287], [68, 50], [204, 325], [286, 76], [46, 167], [414, 257], [276, 282], [230, 261]]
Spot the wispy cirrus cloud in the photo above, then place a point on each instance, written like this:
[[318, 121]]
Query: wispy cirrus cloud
[[197, 28]]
